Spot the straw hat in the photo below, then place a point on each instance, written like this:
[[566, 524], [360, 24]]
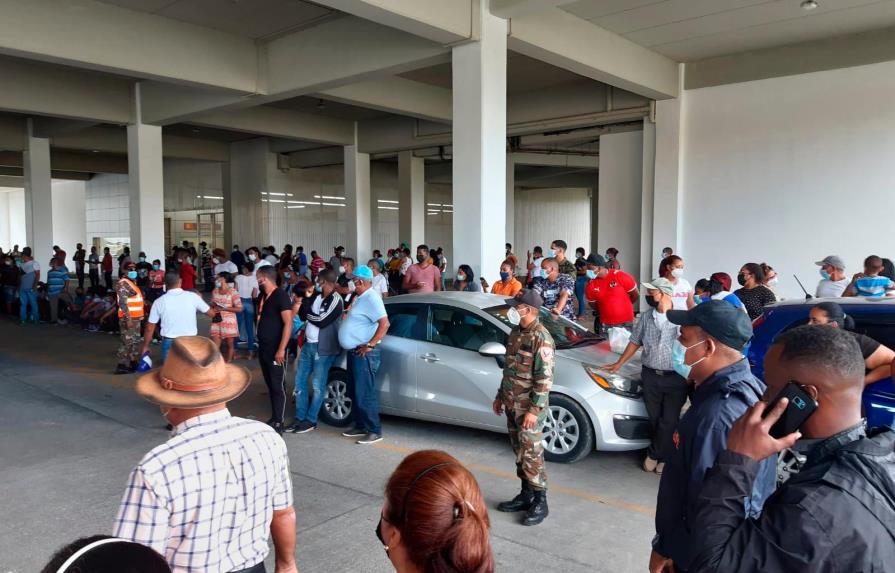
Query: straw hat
[[194, 375]]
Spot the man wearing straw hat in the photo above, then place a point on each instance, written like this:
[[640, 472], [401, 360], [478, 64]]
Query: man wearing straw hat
[[210, 497]]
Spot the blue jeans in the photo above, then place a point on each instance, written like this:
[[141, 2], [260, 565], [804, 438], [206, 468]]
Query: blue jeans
[[307, 404], [167, 343], [580, 285], [246, 321], [365, 397], [26, 297]]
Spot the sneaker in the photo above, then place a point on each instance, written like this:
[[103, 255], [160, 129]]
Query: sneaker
[[303, 427], [354, 433], [649, 464], [370, 438], [660, 467]]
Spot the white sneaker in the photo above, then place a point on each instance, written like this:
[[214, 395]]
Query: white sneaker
[[649, 464]]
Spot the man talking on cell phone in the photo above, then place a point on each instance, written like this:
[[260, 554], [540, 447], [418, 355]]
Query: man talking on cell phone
[[838, 512], [274, 331]]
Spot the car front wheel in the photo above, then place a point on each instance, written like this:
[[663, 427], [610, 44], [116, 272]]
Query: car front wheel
[[568, 434], [336, 410]]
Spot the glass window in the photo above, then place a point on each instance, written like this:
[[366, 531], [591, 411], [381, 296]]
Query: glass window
[[880, 327], [565, 333], [407, 320], [462, 329]]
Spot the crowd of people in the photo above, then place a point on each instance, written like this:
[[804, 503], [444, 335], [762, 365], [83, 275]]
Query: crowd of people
[[720, 505]]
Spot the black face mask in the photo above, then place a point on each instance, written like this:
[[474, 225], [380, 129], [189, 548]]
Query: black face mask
[[421, 258], [652, 302], [741, 278], [379, 536]]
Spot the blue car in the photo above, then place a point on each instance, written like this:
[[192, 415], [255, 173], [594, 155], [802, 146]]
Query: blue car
[[873, 317]]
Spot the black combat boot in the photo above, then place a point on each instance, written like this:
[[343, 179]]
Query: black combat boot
[[519, 503], [538, 511]]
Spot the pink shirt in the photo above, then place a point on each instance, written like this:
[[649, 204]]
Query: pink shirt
[[423, 279]]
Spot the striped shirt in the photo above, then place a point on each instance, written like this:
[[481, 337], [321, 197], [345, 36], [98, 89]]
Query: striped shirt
[[56, 280], [873, 286], [205, 498]]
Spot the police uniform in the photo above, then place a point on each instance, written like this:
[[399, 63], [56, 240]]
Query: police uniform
[[525, 389], [130, 316]]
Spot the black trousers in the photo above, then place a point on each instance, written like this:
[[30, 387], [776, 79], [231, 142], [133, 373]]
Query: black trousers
[[663, 396], [107, 276], [94, 277], [79, 272], [275, 378]]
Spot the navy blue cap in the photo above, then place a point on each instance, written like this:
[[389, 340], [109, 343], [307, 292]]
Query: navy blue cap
[[721, 320], [527, 297]]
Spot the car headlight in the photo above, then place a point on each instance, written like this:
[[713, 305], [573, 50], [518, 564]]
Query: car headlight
[[614, 383]]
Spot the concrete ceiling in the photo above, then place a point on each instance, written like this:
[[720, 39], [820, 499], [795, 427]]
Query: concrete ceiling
[[327, 108], [210, 133], [523, 74], [249, 18], [690, 30]]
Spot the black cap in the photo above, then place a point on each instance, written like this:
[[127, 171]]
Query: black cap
[[719, 319], [595, 260], [526, 297]]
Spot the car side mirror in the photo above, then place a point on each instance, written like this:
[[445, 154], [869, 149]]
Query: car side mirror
[[492, 349]]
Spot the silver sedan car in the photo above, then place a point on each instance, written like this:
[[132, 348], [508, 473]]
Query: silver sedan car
[[442, 361]]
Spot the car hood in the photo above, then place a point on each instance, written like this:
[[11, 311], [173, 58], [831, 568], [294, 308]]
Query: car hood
[[601, 354]]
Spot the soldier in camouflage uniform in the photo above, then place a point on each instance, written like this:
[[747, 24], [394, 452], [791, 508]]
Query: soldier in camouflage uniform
[[523, 396], [130, 317]]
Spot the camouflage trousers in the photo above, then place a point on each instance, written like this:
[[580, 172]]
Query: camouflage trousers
[[131, 343], [528, 445]]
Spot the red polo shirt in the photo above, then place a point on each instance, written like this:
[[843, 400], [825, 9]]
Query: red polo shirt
[[611, 295]]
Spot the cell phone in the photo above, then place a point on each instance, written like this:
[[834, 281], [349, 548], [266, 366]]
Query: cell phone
[[801, 406]]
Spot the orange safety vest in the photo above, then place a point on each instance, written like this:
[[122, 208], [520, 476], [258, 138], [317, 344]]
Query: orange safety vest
[[134, 303]]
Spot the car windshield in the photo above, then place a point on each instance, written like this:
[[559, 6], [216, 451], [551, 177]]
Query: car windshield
[[565, 333]]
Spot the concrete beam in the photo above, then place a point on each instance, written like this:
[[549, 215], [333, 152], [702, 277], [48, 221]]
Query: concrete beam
[[31, 88], [555, 160], [14, 176], [572, 43], [396, 95], [114, 140], [437, 20], [275, 122], [99, 36], [517, 8], [72, 161], [317, 157]]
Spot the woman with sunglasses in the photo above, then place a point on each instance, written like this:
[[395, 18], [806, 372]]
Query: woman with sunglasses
[[434, 519]]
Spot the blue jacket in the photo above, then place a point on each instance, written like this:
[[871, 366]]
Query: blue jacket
[[701, 436]]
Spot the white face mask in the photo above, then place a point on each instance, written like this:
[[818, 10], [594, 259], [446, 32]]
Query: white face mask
[[677, 273], [341, 270], [772, 281], [513, 316]]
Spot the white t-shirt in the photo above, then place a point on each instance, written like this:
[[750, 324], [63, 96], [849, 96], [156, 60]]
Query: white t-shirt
[[380, 283], [245, 284], [176, 310], [312, 332], [258, 264], [225, 267], [827, 288], [271, 259], [406, 263], [682, 291]]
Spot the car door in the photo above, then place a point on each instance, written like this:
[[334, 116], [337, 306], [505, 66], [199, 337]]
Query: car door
[[399, 369], [879, 397], [455, 382]]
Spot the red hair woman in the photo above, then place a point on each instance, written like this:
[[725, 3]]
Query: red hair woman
[[434, 518]]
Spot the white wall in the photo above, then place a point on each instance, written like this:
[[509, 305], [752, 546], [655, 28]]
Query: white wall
[[108, 211], [544, 215], [69, 215], [12, 217], [620, 197], [788, 170]]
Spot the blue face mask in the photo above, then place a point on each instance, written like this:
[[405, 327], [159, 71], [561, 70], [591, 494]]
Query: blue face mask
[[504, 276], [591, 274], [825, 274], [551, 253], [679, 358], [132, 274], [155, 267], [318, 288]]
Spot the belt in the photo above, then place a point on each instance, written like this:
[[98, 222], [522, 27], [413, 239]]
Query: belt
[[658, 372], [259, 568]]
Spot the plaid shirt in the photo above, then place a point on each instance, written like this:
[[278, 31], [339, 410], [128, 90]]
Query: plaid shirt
[[205, 498], [655, 335]]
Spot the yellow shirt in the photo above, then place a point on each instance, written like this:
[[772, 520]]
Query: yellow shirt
[[509, 289]]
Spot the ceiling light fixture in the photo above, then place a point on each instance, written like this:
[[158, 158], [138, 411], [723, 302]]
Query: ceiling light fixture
[[809, 4]]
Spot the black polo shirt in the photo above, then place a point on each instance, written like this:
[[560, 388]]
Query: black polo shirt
[[270, 321]]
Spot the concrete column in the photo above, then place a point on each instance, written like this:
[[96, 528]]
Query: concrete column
[[411, 199], [38, 197], [479, 147], [246, 216], [667, 219], [511, 203], [620, 195], [147, 192], [357, 199], [648, 258]]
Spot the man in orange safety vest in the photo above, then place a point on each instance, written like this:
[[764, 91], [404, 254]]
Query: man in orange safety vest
[[130, 317]]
